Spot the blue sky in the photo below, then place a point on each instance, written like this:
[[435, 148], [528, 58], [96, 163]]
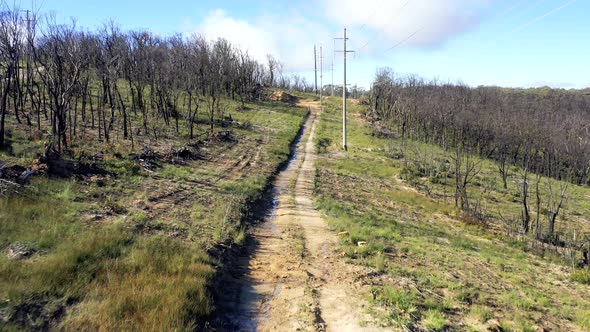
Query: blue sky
[[517, 43]]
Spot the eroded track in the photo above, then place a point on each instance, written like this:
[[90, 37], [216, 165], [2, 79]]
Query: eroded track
[[294, 279]]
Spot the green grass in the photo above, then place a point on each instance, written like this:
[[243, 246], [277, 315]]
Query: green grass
[[435, 320], [452, 267], [144, 263], [582, 276]]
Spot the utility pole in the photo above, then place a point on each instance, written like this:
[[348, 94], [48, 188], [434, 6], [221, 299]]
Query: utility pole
[[315, 69], [332, 86], [344, 131], [321, 75]]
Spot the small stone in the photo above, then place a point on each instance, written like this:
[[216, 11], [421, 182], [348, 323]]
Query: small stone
[[362, 243], [341, 234], [18, 251]]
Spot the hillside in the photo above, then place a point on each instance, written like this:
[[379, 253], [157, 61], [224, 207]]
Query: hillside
[[432, 266], [135, 242]]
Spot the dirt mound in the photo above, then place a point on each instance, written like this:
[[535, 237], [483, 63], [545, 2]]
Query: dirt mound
[[282, 97]]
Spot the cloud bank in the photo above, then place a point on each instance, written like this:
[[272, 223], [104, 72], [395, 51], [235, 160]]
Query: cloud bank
[[290, 36], [394, 20]]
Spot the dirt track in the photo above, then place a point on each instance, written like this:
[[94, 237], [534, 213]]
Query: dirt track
[[295, 279]]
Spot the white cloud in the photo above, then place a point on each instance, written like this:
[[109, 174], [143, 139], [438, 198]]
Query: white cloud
[[256, 40], [289, 38], [394, 20], [290, 34]]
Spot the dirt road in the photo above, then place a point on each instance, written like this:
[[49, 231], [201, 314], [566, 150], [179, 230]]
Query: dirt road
[[294, 279]]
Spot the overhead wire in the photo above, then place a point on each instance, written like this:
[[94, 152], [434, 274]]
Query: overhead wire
[[539, 18], [371, 16], [378, 32], [513, 7], [404, 40], [523, 11]]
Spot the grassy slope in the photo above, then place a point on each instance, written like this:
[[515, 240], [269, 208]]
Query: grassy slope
[[435, 270], [132, 255]]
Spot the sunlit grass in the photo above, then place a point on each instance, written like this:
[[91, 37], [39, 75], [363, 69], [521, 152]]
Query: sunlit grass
[[453, 269], [134, 270]]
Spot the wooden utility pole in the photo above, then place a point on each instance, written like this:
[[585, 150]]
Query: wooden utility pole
[[344, 115], [315, 69], [321, 75], [332, 86], [344, 134]]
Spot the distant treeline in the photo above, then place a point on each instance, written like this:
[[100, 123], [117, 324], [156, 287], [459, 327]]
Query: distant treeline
[[541, 131], [63, 80]]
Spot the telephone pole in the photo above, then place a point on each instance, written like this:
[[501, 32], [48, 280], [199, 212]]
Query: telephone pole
[[321, 75], [315, 69], [344, 131], [332, 86]]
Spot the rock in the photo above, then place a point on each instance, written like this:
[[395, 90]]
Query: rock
[[19, 250], [343, 234], [362, 243]]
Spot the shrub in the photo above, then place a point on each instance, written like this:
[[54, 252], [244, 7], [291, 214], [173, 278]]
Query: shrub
[[582, 276]]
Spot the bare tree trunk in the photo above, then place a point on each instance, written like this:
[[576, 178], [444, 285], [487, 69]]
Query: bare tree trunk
[[3, 106], [526, 217], [124, 111], [538, 234]]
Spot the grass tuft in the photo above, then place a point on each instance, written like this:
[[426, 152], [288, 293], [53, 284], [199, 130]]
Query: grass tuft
[[581, 276]]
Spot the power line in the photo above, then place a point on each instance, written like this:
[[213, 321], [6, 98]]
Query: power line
[[371, 16], [513, 7], [321, 58], [404, 40], [315, 69], [537, 19], [395, 17], [526, 24], [333, 53], [524, 11]]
